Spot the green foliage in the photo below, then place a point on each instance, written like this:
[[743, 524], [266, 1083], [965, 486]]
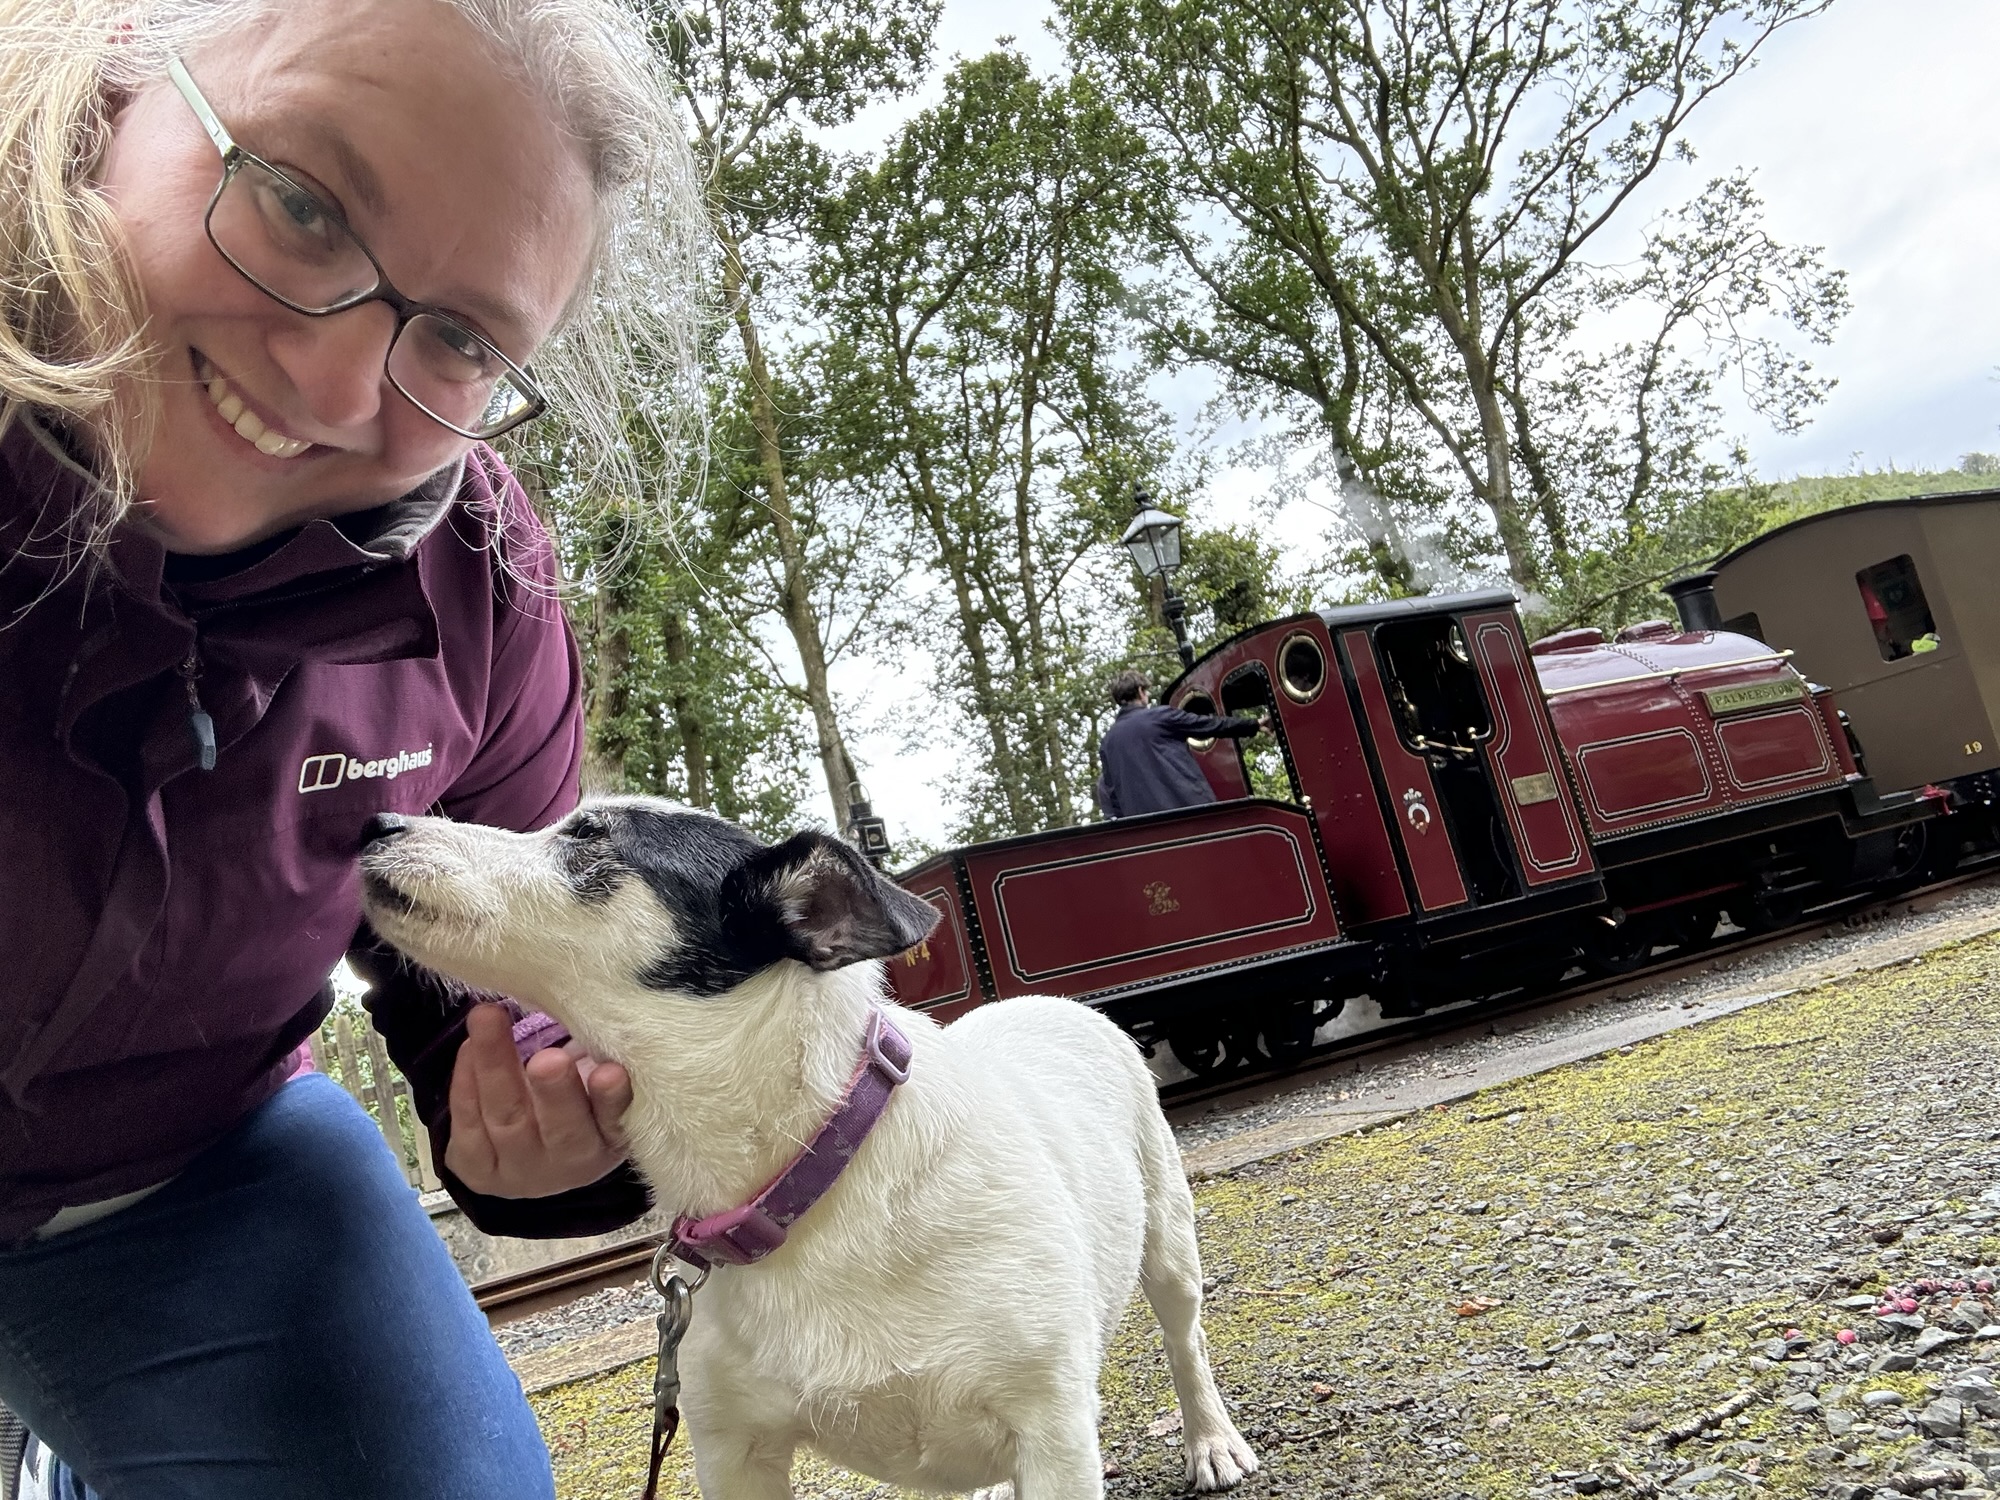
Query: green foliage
[[1372, 220], [969, 293]]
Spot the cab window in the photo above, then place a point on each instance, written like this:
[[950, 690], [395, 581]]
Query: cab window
[[1893, 597]]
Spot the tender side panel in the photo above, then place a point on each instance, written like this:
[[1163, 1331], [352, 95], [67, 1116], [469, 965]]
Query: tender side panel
[[1333, 773], [1412, 795], [1523, 759], [1104, 907]]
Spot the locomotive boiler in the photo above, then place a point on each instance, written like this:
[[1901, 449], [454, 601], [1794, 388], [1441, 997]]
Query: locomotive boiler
[[1444, 812]]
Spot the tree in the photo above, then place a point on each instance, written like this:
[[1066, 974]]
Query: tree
[[673, 703], [1383, 210], [757, 78], [969, 288]]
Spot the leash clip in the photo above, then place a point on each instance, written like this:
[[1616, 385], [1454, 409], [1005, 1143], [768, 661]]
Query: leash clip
[[676, 1313]]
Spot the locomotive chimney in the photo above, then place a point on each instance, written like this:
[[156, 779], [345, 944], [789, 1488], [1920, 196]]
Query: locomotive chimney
[[1694, 598]]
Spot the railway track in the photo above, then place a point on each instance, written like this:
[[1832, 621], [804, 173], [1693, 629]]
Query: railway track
[[508, 1299]]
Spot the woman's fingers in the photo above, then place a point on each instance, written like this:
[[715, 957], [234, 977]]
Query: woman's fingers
[[504, 1103], [529, 1131], [610, 1089], [470, 1152], [566, 1127]]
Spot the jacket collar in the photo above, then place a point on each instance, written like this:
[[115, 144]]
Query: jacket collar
[[44, 505]]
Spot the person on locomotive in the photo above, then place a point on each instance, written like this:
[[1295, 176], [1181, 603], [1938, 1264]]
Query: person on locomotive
[[1148, 766], [275, 272]]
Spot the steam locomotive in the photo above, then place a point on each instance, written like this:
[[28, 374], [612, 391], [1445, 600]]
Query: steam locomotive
[[1446, 812]]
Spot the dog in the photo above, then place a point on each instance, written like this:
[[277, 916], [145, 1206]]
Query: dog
[[937, 1320]]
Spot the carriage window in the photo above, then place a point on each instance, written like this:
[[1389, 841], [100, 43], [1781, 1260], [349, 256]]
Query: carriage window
[[1894, 599]]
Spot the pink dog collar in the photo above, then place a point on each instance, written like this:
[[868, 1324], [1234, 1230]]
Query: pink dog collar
[[741, 1236]]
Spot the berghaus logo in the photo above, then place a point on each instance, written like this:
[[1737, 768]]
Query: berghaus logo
[[322, 773]]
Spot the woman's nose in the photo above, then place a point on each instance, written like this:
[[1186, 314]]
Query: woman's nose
[[338, 363]]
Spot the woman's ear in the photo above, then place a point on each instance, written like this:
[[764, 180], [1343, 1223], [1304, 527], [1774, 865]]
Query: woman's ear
[[815, 899]]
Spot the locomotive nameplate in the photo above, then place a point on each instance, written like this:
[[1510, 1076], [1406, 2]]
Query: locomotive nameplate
[[1729, 700], [1528, 790]]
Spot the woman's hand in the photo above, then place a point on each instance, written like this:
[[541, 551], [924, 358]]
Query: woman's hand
[[528, 1132]]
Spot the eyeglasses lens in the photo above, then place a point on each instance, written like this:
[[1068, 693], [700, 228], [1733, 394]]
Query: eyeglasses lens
[[456, 376], [297, 249], [288, 242]]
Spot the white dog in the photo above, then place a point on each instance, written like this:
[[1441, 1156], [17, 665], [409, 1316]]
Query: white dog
[[937, 1320]]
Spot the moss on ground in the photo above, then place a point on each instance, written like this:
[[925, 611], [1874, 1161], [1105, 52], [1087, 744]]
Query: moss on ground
[[1623, 1194]]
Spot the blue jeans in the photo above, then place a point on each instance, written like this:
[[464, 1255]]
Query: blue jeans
[[278, 1321]]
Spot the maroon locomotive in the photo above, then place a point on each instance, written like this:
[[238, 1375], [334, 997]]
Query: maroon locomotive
[[1445, 812]]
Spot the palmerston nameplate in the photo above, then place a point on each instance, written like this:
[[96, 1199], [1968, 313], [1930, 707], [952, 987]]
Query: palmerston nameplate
[[1729, 700]]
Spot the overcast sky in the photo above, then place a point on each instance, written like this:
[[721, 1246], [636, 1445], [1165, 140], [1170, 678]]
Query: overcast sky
[[1874, 132]]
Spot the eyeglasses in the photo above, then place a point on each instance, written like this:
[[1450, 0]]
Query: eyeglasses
[[297, 249]]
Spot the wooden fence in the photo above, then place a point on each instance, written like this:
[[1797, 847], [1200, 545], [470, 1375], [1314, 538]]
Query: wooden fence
[[350, 1052]]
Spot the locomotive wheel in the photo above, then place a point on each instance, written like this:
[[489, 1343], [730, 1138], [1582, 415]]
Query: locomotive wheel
[[1691, 927], [1203, 1049], [1287, 1031], [1619, 950]]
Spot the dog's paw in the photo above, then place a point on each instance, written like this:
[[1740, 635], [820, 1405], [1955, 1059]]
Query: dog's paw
[[1220, 1461], [994, 1492]]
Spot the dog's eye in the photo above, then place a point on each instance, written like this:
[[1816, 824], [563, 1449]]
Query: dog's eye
[[588, 826]]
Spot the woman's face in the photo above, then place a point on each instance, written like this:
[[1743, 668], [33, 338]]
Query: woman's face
[[468, 194]]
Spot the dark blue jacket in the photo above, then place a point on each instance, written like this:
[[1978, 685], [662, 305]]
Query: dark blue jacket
[[1147, 764]]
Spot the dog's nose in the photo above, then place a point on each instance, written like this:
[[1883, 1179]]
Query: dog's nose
[[384, 825]]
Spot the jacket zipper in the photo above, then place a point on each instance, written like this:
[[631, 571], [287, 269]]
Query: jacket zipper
[[200, 725]]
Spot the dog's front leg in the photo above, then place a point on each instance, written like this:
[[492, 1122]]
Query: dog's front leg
[[1057, 1458], [740, 1464]]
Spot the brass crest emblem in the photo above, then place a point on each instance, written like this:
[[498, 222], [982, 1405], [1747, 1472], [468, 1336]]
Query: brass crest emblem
[[1160, 898]]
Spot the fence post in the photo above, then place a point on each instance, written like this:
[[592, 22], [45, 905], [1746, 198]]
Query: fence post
[[428, 1180], [350, 1066], [385, 1099]]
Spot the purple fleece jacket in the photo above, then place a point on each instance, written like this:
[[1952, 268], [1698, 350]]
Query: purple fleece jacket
[[167, 931]]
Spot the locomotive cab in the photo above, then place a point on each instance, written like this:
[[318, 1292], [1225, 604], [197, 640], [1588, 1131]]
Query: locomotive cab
[[1441, 714]]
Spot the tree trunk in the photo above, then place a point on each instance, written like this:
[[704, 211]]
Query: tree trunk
[[687, 723], [835, 763], [604, 758]]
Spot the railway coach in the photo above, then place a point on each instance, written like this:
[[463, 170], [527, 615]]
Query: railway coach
[[1444, 812]]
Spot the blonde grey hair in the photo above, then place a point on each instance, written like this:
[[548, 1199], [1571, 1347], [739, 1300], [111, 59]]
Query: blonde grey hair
[[623, 372]]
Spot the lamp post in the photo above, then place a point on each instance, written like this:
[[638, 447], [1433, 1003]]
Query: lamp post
[[864, 829], [1154, 540]]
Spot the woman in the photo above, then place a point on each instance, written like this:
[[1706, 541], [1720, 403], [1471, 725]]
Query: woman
[[273, 272]]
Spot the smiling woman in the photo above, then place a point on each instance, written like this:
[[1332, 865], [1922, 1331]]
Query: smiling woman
[[562, 222], [272, 273]]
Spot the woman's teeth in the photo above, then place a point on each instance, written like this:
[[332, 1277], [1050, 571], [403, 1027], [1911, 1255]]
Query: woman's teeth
[[246, 422]]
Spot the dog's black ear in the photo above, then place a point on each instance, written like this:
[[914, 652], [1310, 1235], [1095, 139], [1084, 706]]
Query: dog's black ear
[[815, 899]]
